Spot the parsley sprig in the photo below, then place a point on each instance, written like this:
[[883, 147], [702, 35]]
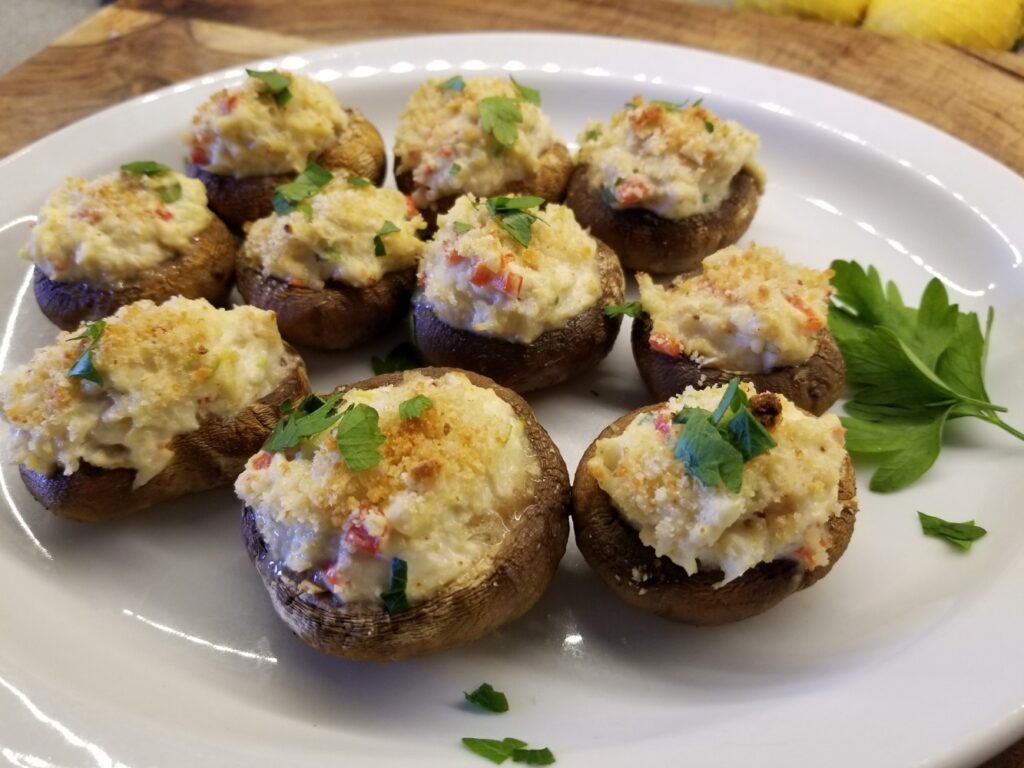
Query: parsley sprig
[[312, 417], [394, 598], [83, 367], [358, 436], [414, 407], [293, 195], [498, 751], [912, 370], [146, 168], [486, 697], [629, 308], [960, 535], [387, 228], [276, 82], [500, 116], [512, 215], [714, 446], [453, 83]]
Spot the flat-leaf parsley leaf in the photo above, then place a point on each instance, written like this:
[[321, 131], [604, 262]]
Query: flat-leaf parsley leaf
[[358, 436], [961, 535], [276, 82], [487, 698]]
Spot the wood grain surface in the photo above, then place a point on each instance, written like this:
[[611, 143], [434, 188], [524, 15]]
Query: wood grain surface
[[135, 46]]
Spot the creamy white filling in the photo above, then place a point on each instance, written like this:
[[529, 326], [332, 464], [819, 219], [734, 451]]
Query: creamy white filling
[[449, 485], [116, 227], [477, 277], [787, 496]]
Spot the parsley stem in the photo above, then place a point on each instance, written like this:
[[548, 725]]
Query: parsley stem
[[991, 418]]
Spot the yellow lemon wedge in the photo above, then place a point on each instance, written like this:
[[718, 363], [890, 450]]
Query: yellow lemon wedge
[[835, 11], [968, 23]]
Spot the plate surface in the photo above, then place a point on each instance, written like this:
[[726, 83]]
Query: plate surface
[[151, 641]]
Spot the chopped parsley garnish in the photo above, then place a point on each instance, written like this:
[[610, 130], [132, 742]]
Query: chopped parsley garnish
[[608, 195], [394, 598], [83, 367], [500, 116], [277, 84], [486, 697], [402, 358], [462, 227], [492, 749], [312, 417], [329, 254], [170, 193], [146, 168], [455, 170], [533, 756], [631, 308], [453, 83], [414, 407], [358, 181], [910, 370], [499, 751], [709, 126], [714, 446], [527, 94], [512, 216], [292, 196], [378, 240], [358, 436], [593, 134], [961, 535], [671, 106]]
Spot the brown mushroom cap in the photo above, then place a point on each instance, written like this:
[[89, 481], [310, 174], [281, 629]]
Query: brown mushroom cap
[[552, 357], [204, 271], [359, 150], [814, 385], [209, 457], [334, 317], [549, 182], [470, 607], [612, 547], [646, 241]]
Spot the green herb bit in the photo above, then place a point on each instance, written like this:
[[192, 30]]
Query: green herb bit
[[671, 106], [312, 417], [961, 535], [748, 435], [492, 749], [291, 196], [592, 134], [527, 94], [511, 215], [498, 205], [911, 370], [708, 456], [403, 357], [394, 598], [486, 697], [277, 84], [533, 756], [462, 227], [358, 181], [170, 193], [453, 83], [705, 198], [83, 367], [608, 195], [414, 407], [329, 254], [378, 240], [709, 126], [697, 103], [499, 116], [146, 168], [630, 308], [732, 400], [455, 170], [358, 436]]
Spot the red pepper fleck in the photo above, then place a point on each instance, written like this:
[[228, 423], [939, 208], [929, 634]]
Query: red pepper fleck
[[227, 105], [262, 460], [481, 275], [632, 191], [411, 206], [454, 257], [358, 539], [199, 155], [666, 345], [164, 214], [511, 284]]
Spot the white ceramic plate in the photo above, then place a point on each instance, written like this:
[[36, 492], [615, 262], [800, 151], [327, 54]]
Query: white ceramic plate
[[152, 642]]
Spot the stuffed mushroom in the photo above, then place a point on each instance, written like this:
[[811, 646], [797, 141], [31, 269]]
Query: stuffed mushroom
[[405, 514], [714, 506], [144, 232], [485, 136], [338, 272], [152, 403], [516, 292], [666, 184], [749, 313], [248, 140]]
